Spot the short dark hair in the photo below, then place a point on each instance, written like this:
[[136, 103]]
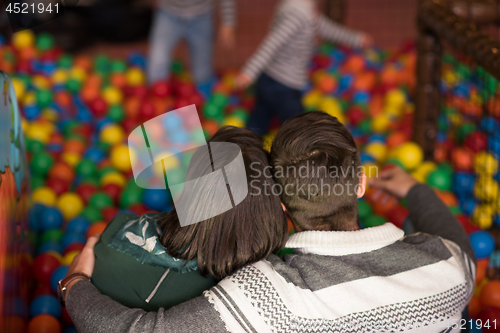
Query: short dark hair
[[249, 232], [320, 144]]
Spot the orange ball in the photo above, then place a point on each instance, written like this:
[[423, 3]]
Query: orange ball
[[365, 81], [354, 63], [440, 153], [462, 159], [481, 269], [62, 171], [118, 80], [89, 93], [396, 139], [448, 198], [96, 228], [327, 84], [44, 324], [63, 98], [74, 146], [131, 107], [382, 202], [94, 80], [475, 307], [83, 62], [490, 294], [210, 127]]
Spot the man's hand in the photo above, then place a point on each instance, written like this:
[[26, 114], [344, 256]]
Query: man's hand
[[84, 262], [242, 81], [226, 36], [396, 181]]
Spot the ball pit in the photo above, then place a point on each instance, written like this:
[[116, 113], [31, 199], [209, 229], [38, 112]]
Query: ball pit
[[77, 118]]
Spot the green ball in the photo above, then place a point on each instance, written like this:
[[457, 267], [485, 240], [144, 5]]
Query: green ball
[[395, 161], [373, 221], [92, 214], [37, 182], [101, 200], [365, 126], [92, 180], [44, 41], [103, 146], [219, 100], [364, 210], [76, 136], [106, 170], [101, 63], [130, 196], [65, 61], [52, 235], [41, 163], [440, 179], [73, 85], [115, 113], [446, 167], [211, 111], [44, 98], [34, 146], [465, 130], [69, 127], [118, 66], [177, 67], [86, 168], [241, 114], [455, 210]]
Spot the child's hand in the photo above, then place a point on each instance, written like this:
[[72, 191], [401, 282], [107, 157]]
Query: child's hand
[[366, 40], [395, 180], [226, 36], [242, 81]]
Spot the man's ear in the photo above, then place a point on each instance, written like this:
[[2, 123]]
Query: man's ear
[[361, 188], [283, 206]]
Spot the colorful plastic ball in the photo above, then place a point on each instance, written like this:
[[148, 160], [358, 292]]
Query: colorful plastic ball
[[120, 158], [68, 257], [78, 225], [410, 154], [59, 186], [112, 95], [488, 317], [72, 238], [112, 134], [161, 89], [94, 154], [113, 190], [44, 324], [398, 216], [96, 228], [131, 195], [23, 39], [41, 163], [134, 77], [54, 235], [380, 123], [485, 164], [377, 150], [44, 41], [70, 204], [74, 247], [101, 200], [58, 275], [115, 113], [51, 218], [476, 141], [45, 304], [43, 267], [86, 168], [462, 159], [50, 246], [364, 210], [486, 189], [373, 221], [62, 171], [439, 179], [44, 196], [490, 294], [109, 213], [463, 183], [158, 200], [482, 243]]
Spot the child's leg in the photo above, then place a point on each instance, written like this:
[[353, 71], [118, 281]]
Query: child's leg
[[262, 113], [166, 31], [200, 38], [289, 104]]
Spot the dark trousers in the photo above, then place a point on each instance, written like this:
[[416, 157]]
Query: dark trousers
[[273, 99]]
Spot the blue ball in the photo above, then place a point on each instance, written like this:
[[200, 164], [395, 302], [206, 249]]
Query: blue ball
[[158, 200], [494, 145], [463, 183], [179, 136], [51, 218], [31, 112], [50, 246], [58, 275], [45, 304], [496, 221], [78, 225], [482, 243], [489, 124], [72, 238], [377, 138], [361, 97], [172, 122], [365, 158], [467, 205], [84, 114], [101, 123], [94, 154]]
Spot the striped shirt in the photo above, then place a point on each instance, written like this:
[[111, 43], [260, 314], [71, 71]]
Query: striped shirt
[[190, 8], [285, 53]]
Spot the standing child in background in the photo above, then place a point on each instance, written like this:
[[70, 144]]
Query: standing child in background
[[281, 63], [194, 21]]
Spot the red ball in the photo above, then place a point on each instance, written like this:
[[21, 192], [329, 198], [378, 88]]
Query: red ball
[[476, 141], [109, 213], [129, 125], [43, 289], [86, 130], [397, 216], [183, 89], [322, 61], [44, 323], [139, 209], [196, 99], [161, 89], [65, 317], [467, 224], [44, 265], [98, 107], [73, 247], [491, 316], [58, 185], [147, 111], [140, 91], [113, 190], [355, 116], [85, 191]]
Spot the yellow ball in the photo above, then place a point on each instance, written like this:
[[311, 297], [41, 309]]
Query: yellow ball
[[50, 114], [312, 99], [332, 106], [78, 74], [134, 77], [71, 158], [485, 164], [395, 97], [419, 176], [112, 134], [381, 123], [233, 121], [486, 189], [44, 196], [19, 88], [38, 133], [24, 124], [268, 141], [60, 76], [40, 82], [121, 158], [393, 111], [113, 178], [370, 169], [377, 150], [410, 154], [29, 98], [170, 162], [70, 204], [68, 258], [112, 95], [426, 168], [483, 216], [23, 39]]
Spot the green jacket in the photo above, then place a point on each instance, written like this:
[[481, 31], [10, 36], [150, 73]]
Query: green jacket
[[133, 268]]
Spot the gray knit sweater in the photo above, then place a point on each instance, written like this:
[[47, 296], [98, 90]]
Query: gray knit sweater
[[357, 281]]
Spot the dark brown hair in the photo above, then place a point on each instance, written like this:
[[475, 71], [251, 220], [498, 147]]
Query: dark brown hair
[[249, 232], [319, 144]]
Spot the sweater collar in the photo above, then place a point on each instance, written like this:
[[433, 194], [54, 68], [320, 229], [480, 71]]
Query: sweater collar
[[339, 243]]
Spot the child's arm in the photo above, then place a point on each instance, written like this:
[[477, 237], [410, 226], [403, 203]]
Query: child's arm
[[281, 33], [228, 18], [337, 33]]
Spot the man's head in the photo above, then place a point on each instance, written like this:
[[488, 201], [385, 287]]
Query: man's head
[[316, 162]]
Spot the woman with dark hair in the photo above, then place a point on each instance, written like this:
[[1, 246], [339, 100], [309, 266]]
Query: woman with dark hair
[[152, 261]]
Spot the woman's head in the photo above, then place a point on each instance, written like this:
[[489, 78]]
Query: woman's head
[[247, 233]]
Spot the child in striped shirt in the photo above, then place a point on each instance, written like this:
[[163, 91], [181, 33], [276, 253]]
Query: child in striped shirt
[[194, 21], [280, 65]]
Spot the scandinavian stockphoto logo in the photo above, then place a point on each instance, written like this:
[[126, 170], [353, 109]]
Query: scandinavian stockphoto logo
[[205, 179]]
